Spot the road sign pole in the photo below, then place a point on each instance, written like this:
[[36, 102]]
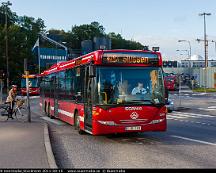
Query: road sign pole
[[1, 90], [27, 90]]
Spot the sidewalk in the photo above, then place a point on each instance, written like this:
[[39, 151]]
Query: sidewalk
[[25, 145], [185, 89]]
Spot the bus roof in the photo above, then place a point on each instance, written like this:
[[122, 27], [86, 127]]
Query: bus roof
[[96, 58]]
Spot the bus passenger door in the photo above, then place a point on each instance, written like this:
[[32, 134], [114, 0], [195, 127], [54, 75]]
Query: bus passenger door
[[88, 100], [54, 92]]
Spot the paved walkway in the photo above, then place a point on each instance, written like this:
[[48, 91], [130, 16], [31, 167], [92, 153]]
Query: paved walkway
[[186, 89], [22, 145]]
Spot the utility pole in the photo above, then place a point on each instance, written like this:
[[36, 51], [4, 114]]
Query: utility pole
[[1, 86], [205, 46], [5, 5], [205, 38]]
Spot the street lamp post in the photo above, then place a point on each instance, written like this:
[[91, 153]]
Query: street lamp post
[[179, 75], [5, 5], [189, 55], [189, 64], [189, 45]]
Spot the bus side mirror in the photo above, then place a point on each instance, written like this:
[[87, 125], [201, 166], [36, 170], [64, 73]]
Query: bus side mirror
[[78, 97], [166, 93], [92, 71]]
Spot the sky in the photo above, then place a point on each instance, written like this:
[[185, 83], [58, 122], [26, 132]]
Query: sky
[[152, 22]]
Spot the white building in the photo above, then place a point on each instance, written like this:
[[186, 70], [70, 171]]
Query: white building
[[196, 68], [197, 61]]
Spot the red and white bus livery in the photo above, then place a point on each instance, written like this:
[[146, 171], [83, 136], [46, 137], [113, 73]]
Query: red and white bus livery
[[107, 91], [34, 88]]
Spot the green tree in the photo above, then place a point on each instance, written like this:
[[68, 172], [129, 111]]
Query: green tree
[[22, 34], [120, 43]]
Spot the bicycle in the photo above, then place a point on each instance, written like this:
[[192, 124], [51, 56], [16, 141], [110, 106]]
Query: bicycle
[[10, 110]]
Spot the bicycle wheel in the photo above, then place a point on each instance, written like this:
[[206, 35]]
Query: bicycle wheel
[[6, 114], [18, 114]]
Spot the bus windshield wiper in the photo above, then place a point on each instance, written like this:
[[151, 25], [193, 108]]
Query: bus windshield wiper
[[143, 100]]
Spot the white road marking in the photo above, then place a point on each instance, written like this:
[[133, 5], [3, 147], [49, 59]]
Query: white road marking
[[206, 109], [183, 115], [212, 107], [173, 116], [170, 118], [187, 121], [200, 115], [193, 140], [199, 94]]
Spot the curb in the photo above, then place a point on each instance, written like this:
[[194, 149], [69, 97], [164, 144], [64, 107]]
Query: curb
[[180, 108], [49, 152]]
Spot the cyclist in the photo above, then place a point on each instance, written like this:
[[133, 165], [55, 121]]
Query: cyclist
[[11, 98]]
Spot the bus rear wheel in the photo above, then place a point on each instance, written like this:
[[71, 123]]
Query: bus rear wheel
[[48, 110], [77, 124]]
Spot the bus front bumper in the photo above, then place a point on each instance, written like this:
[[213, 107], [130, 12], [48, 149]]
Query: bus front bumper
[[107, 127]]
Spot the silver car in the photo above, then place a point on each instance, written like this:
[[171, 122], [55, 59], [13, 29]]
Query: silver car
[[170, 105]]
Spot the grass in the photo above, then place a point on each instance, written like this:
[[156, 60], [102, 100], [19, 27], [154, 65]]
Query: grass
[[203, 90]]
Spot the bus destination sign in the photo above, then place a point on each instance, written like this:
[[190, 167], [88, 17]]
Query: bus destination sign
[[119, 58]]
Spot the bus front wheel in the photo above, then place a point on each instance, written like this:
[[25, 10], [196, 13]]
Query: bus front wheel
[[77, 124]]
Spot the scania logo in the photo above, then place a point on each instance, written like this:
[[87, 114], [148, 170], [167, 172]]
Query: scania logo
[[134, 115], [133, 108]]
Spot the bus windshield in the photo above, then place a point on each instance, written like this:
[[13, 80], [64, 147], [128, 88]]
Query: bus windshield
[[129, 85], [33, 83]]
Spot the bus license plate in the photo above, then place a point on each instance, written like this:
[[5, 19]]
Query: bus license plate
[[133, 128]]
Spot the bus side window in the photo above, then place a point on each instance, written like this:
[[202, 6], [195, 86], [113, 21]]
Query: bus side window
[[61, 84], [79, 83], [69, 84]]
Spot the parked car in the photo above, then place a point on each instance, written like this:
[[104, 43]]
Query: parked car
[[169, 105]]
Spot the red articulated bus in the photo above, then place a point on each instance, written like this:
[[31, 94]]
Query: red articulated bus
[[34, 88], [107, 92]]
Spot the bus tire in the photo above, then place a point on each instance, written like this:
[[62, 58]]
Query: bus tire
[[48, 111], [45, 108], [169, 111], [77, 124]]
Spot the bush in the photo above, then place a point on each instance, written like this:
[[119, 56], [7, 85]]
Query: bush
[[203, 90]]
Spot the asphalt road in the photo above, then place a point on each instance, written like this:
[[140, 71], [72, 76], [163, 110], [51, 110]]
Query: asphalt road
[[189, 142]]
